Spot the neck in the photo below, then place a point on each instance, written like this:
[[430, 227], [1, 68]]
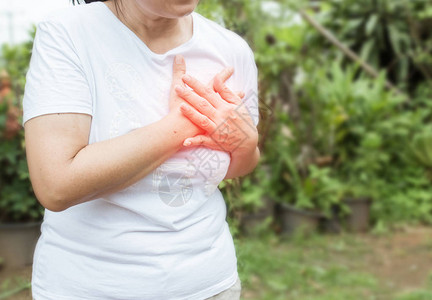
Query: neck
[[158, 33]]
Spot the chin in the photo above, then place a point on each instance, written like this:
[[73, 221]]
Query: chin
[[171, 9], [183, 10]]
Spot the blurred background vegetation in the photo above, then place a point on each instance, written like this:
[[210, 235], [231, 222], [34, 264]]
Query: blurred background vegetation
[[332, 127], [329, 129]]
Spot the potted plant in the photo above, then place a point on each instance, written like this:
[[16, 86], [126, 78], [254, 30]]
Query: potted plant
[[20, 212], [248, 200], [361, 169], [305, 197], [356, 201]]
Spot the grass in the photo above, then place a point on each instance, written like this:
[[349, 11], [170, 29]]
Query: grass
[[13, 286], [314, 267], [302, 268]]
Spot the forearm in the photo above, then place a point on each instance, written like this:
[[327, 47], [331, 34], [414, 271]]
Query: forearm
[[106, 167], [243, 163]]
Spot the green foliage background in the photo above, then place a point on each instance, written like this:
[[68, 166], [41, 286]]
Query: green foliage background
[[17, 200], [327, 129], [317, 105]]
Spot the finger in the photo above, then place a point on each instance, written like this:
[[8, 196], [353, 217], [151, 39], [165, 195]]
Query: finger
[[197, 118], [199, 103], [223, 76], [240, 94], [202, 90], [225, 92], [200, 140], [179, 69]]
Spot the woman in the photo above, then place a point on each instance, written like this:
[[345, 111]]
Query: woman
[[126, 148]]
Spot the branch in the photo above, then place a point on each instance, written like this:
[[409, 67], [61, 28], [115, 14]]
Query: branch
[[348, 52]]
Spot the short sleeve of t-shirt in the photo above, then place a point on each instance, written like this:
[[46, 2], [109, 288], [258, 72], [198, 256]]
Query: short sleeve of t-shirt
[[250, 99], [55, 82]]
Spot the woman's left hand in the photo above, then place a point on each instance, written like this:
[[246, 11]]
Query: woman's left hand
[[220, 113]]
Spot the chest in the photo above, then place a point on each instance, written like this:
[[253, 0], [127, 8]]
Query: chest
[[131, 92]]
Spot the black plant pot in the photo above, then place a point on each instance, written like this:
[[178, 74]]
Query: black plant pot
[[251, 220], [332, 224], [293, 219], [17, 243], [358, 219]]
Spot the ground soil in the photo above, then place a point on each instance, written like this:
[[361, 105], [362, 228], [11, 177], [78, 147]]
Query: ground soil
[[402, 260]]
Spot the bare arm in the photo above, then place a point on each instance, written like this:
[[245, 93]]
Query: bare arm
[[66, 171], [243, 163]]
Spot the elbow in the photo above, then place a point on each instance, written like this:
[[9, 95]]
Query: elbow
[[51, 201], [252, 164], [50, 197], [255, 161], [257, 157], [54, 207], [247, 172]]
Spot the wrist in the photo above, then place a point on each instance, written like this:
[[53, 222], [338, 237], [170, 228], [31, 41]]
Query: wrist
[[180, 125]]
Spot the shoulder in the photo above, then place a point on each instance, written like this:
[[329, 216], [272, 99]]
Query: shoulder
[[69, 27], [224, 39], [72, 18]]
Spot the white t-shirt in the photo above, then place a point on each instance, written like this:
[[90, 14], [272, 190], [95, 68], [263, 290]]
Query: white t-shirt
[[164, 237]]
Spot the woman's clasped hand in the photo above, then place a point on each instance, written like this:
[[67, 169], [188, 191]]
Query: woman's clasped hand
[[220, 113]]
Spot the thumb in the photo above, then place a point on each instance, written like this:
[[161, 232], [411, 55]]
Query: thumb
[[179, 69]]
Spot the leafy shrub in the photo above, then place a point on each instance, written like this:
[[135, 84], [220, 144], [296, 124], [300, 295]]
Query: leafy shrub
[[17, 200], [392, 35]]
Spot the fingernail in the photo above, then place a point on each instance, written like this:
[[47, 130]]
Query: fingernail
[[178, 59], [187, 78], [230, 69], [187, 143], [179, 88]]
